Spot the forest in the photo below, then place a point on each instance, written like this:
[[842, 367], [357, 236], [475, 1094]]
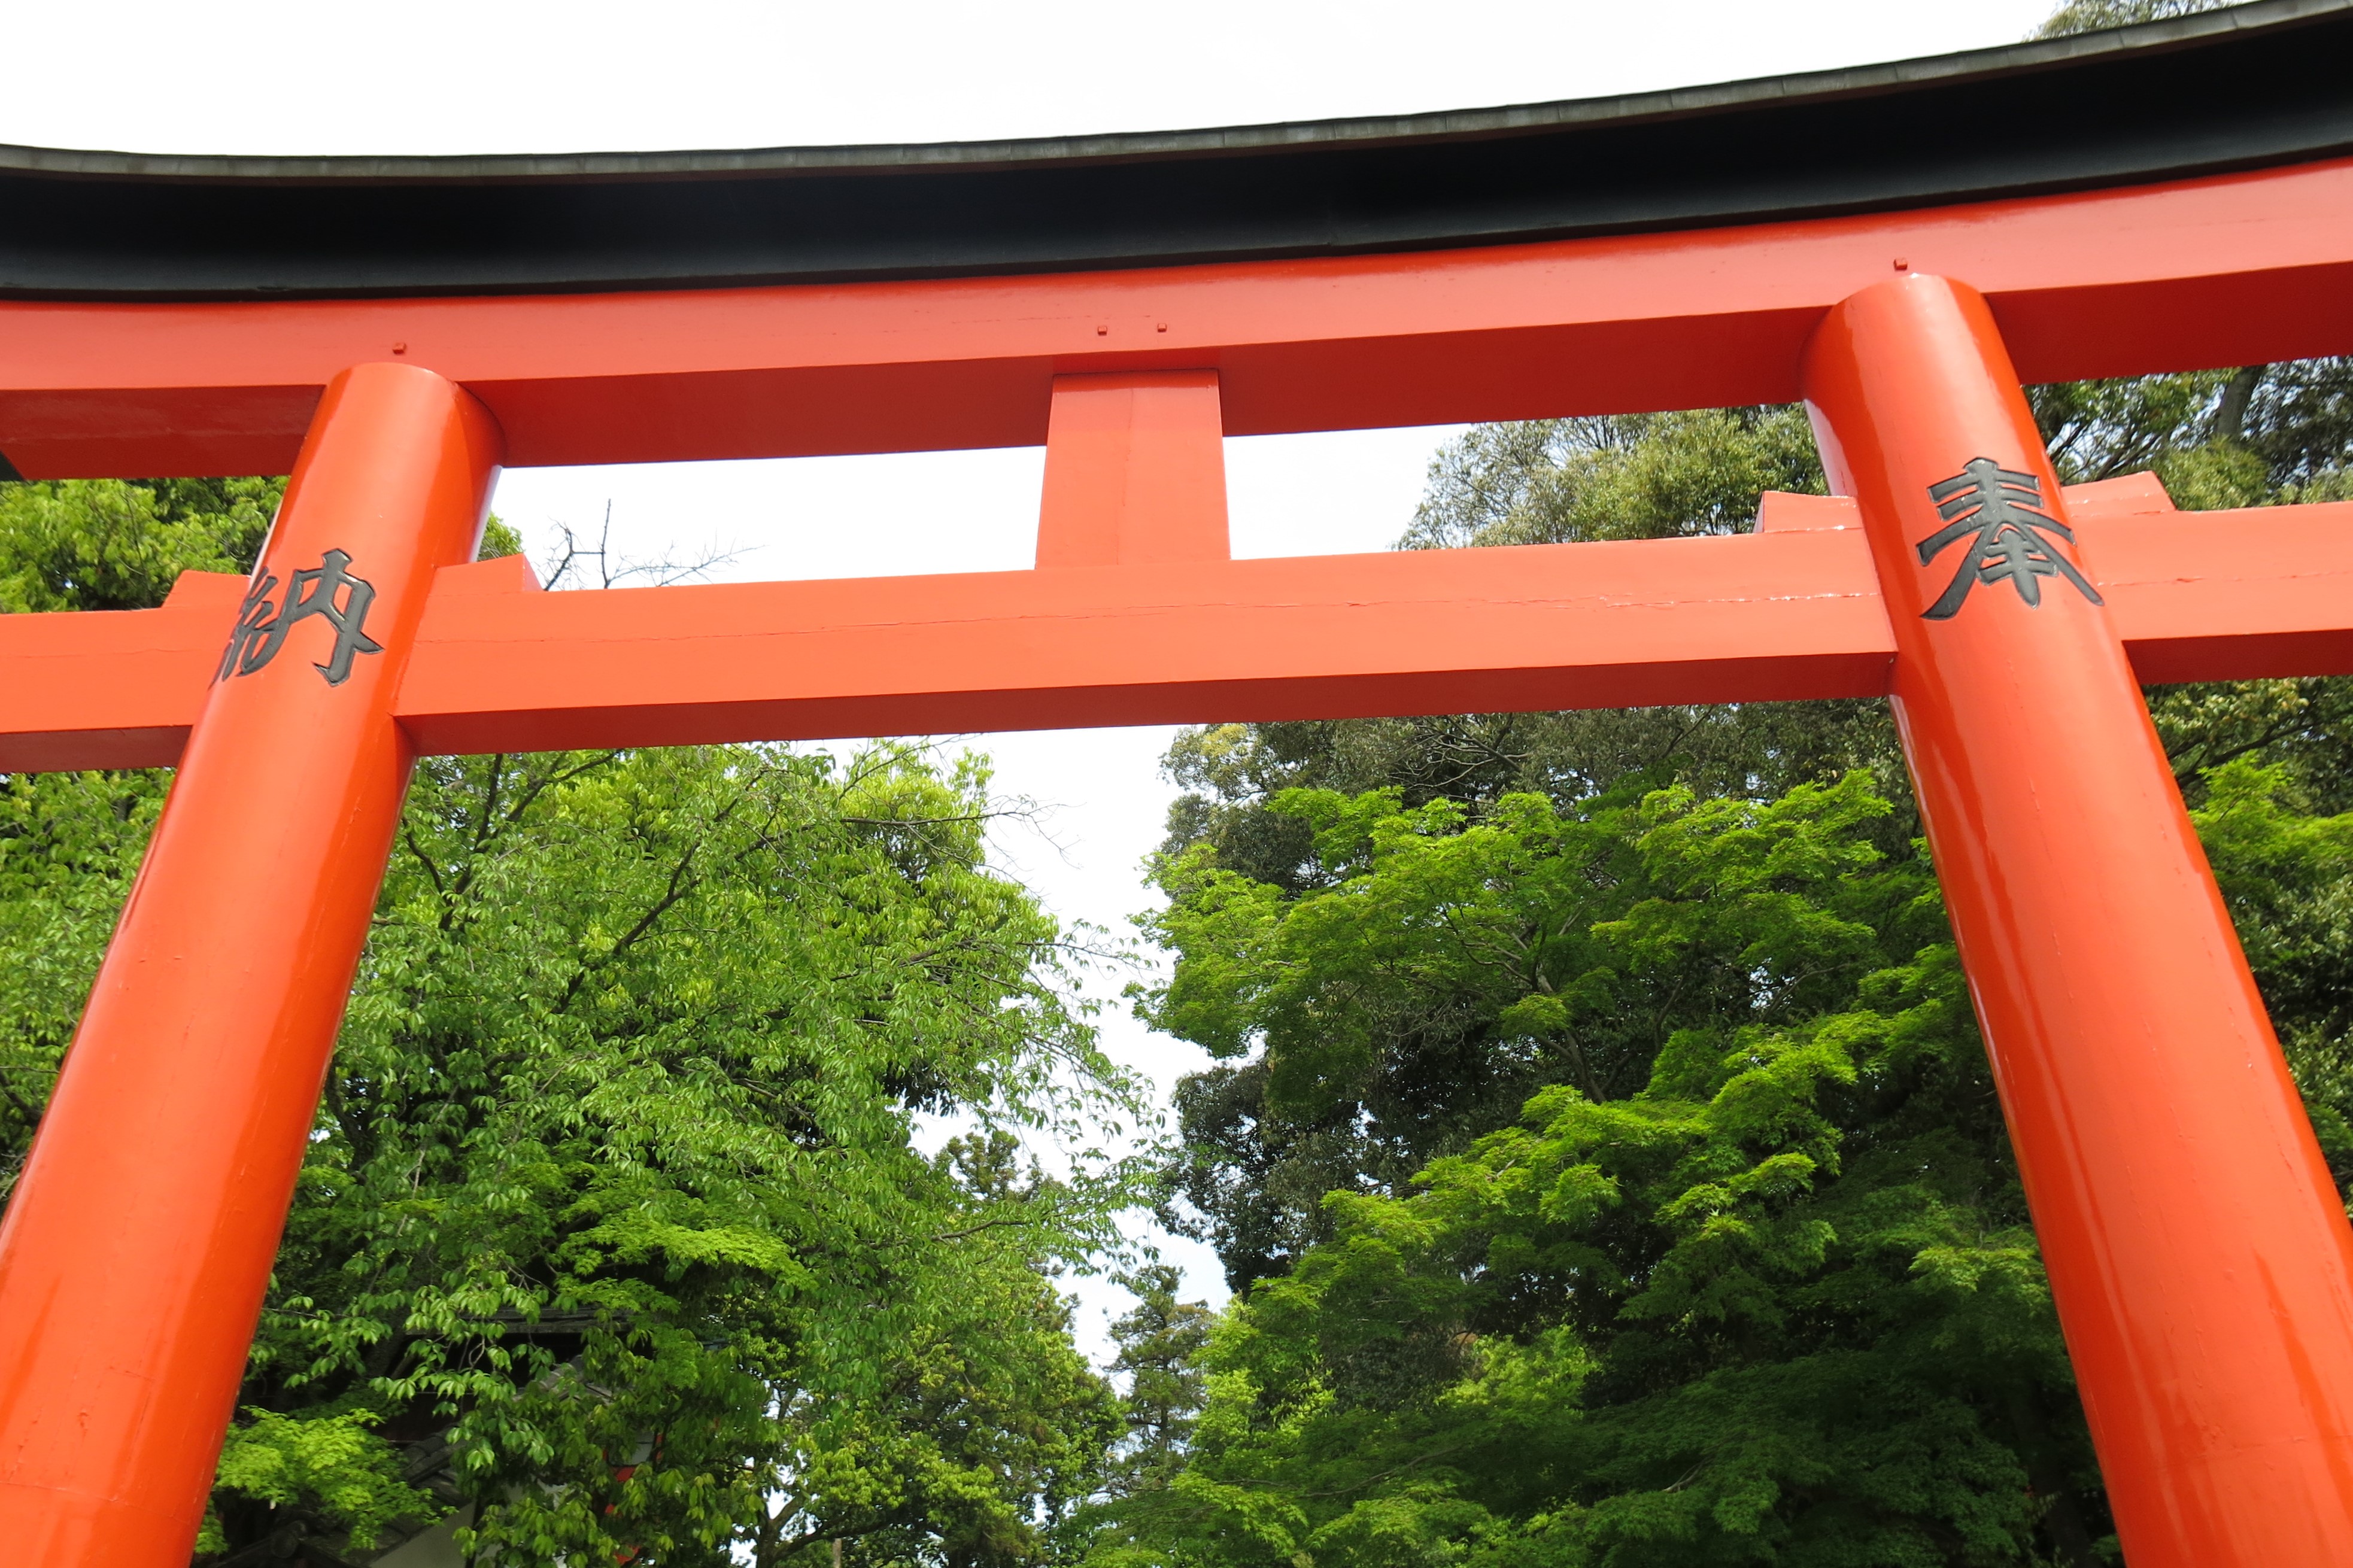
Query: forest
[[1598, 1143]]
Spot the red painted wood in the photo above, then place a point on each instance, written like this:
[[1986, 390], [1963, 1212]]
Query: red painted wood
[[2200, 1262], [138, 1240], [2237, 270], [2199, 1256], [1135, 470], [1792, 611], [1652, 621]]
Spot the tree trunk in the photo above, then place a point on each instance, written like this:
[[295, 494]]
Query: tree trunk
[[2230, 415]]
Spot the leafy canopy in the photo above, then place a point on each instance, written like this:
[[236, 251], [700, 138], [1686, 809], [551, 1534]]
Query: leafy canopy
[[616, 1231], [1586, 1209], [1738, 1287]]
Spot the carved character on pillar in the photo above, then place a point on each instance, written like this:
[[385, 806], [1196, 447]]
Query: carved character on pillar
[[1998, 510], [262, 626]]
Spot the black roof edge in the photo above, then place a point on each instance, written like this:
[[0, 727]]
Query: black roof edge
[[2252, 86], [1122, 147]]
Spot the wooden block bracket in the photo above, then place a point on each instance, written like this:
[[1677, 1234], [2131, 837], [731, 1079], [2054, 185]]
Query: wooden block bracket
[[1135, 471]]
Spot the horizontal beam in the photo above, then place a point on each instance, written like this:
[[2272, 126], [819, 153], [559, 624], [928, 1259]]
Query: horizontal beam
[[112, 688], [1792, 611], [1334, 637], [2234, 270], [2229, 595]]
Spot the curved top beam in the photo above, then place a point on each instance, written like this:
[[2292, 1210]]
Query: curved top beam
[[2249, 86]]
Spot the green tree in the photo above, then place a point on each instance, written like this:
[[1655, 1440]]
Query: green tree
[[1628, 476], [2085, 16], [1750, 1281], [614, 1230], [1573, 1223], [615, 1169], [1257, 1170], [120, 545], [1160, 1353], [1159, 1345]]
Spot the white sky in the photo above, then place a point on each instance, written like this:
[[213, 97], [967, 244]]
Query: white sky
[[494, 75], [468, 76]]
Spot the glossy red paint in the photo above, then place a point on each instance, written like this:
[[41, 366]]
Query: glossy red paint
[[137, 1242], [2235, 269], [2200, 1259], [1792, 611], [2203, 1273], [1135, 470]]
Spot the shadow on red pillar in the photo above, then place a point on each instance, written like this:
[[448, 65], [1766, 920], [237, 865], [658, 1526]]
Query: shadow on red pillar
[[140, 1239], [2200, 1262]]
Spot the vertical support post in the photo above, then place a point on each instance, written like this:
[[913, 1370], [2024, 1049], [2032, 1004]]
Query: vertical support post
[[133, 1259], [1135, 470], [2200, 1260]]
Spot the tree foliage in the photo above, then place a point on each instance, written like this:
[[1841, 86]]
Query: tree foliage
[[1747, 1279], [1633, 476], [2085, 16], [120, 545], [616, 1229], [616, 1170], [1600, 1138], [2256, 437]]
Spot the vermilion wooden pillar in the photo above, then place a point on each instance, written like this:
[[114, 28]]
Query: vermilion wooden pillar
[[135, 1254], [2201, 1266]]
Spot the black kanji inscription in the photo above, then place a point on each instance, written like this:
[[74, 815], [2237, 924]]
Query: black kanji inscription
[[1998, 510], [328, 591]]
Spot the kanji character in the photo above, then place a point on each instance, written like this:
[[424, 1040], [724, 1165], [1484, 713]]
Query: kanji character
[[259, 633], [1996, 508]]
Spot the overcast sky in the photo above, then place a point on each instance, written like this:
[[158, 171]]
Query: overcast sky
[[483, 76], [480, 76]]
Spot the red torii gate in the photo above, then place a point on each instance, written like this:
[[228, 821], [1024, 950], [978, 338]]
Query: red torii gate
[[1129, 303]]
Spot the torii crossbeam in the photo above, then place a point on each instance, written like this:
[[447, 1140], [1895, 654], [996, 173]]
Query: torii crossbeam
[[1897, 246]]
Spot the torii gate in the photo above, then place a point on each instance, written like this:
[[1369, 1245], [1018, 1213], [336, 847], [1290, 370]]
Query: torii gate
[[1898, 245]]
